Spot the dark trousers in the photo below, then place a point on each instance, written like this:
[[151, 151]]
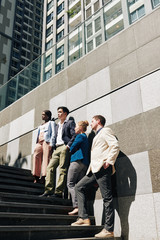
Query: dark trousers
[[103, 178]]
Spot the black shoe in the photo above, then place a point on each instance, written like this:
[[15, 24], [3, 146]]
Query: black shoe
[[45, 195], [42, 180], [57, 195]]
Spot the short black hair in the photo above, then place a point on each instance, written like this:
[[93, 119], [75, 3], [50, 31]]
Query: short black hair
[[65, 109], [48, 113]]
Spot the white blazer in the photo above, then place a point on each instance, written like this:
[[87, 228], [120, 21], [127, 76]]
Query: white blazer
[[105, 148]]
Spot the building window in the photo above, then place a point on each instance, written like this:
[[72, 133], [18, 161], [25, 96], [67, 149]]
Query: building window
[[49, 5], [38, 12], [60, 8], [37, 19], [88, 12], [35, 75], [37, 34], [60, 35], [89, 30], [49, 31], [59, 66], [97, 24], [155, 3], [48, 74], [49, 44], [60, 21], [106, 1], [48, 60], [96, 6], [138, 13], [60, 51], [37, 42], [131, 2], [90, 46], [49, 17], [98, 40], [88, 2], [36, 50]]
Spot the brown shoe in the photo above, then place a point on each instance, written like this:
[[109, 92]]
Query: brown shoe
[[104, 234], [74, 212], [82, 222]]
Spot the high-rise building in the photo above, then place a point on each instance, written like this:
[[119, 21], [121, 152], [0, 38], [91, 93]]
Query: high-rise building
[[71, 29], [75, 27], [21, 42]]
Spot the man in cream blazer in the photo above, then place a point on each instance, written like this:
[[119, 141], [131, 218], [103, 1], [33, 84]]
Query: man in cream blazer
[[104, 151]]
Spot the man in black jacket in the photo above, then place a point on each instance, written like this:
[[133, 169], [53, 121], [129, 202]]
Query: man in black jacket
[[64, 137]]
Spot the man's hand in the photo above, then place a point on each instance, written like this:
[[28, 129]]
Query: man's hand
[[106, 165], [67, 147]]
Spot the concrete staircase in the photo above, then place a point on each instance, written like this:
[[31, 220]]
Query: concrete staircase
[[26, 216]]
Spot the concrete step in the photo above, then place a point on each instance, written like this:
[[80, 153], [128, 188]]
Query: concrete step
[[15, 170], [20, 189], [14, 207], [47, 232], [11, 176], [20, 182], [25, 219], [28, 198], [93, 238]]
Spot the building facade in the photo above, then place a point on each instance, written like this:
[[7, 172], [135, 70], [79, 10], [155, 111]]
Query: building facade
[[71, 29], [21, 43], [76, 27]]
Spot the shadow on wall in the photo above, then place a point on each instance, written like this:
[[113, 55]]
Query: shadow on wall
[[124, 184], [19, 162]]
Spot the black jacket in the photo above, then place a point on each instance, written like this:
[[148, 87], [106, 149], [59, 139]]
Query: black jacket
[[68, 133]]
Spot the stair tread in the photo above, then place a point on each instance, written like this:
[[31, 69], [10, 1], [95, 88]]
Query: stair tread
[[16, 170], [20, 196], [34, 205], [11, 175], [20, 189], [91, 238], [14, 228], [21, 183], [33, 215]]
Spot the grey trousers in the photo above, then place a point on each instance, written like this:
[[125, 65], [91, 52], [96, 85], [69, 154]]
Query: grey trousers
[[103, 178], [76, 172]]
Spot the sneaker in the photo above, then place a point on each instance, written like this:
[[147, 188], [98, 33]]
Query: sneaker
[[104, 234], [82, 222], [74, 212]]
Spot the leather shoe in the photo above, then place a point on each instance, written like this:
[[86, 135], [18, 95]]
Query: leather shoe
[[104, 234], [82, 222], [56, 195], [45, 195]]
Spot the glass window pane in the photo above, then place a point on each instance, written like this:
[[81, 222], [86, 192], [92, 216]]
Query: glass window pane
[[98, 40], [96, 6], [90, 46], [88, 12], [97, 24], [89, 30]]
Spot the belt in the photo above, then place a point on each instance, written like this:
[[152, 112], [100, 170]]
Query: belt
[[59, 145]]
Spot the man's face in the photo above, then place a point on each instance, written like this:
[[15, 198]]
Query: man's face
[[61, 115], [94, 124]]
